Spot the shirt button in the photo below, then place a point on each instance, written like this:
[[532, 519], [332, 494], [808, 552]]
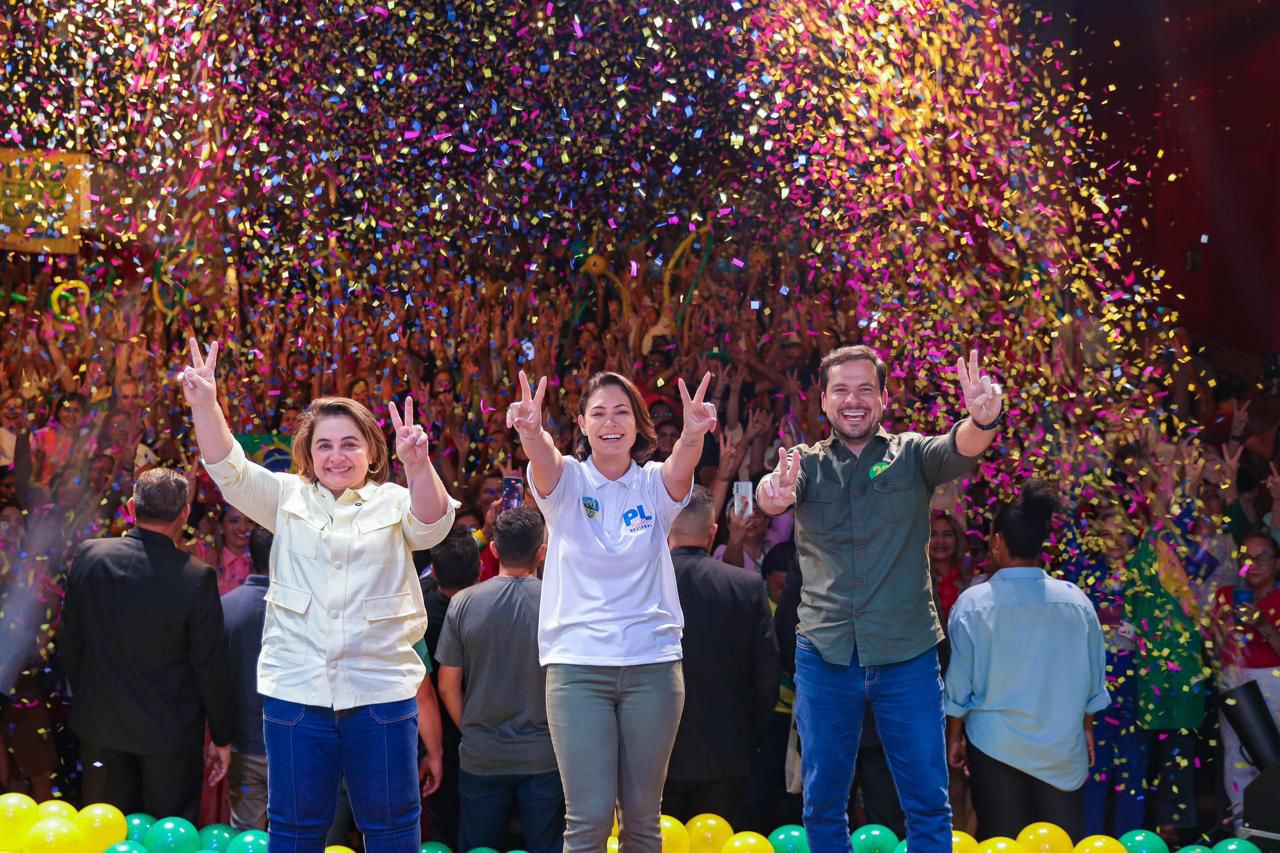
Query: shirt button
[[337, 564], [857, 524], [359, 503], [858, 584], [333, 614], [858, 554]]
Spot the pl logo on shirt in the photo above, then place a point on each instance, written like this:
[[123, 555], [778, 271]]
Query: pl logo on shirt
[[636, 519]]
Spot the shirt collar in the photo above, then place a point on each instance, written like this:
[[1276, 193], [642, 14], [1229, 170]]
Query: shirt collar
[[595, 479], [364, 493], [685, 549], [1018, 573], [257, 580], [149, 536], [836, 446]]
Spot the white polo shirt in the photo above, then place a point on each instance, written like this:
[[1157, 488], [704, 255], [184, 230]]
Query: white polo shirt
[[609, 593], [344, 607]]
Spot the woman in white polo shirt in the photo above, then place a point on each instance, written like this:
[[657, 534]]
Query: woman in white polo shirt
[[344, 608], [610, 621]]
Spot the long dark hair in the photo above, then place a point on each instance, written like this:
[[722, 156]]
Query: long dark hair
[[646, 435]]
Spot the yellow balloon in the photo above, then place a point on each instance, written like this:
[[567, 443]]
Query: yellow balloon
[[1044, 837], [675, 838], [18, 813], [1100, 844], [338, 848], [708, 833], [55, 835], [747, 842], [611, 846], [102, 824], [615, 824], [963, 842], [57, 808], [1000, 844]]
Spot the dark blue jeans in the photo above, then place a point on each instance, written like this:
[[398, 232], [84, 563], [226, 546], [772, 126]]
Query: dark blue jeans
[[310, 750], [486, 809], [907, 701], [1119, 772]]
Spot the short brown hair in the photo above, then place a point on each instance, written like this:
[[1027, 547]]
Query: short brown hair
[[339, 407], [646, 435], [160, 495], [837, 357]]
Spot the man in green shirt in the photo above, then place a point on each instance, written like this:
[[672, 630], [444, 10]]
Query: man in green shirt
[[868, 625]]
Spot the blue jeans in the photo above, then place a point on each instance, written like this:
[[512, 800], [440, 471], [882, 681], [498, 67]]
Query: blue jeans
[[309, 751], [1121, 748], [486, 808], [906, 699]]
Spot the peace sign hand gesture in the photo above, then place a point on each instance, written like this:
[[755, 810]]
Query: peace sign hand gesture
[[780, 486], [525, 415], [412, 441], [983, 398], [699, 416], [199, 384]]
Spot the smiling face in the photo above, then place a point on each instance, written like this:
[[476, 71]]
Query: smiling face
[[12, 413], [70, 413], [236, 529], [942, 542], [1260, 563], [339, 453], [853, 401], [609, 423]]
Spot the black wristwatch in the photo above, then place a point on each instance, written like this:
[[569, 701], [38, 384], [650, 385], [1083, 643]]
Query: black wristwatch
[[988, 427]]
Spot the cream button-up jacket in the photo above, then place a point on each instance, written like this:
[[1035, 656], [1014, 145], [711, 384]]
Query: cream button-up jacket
[[344, 606]]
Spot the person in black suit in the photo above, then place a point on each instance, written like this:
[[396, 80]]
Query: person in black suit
[[144, 652], [730, 671]]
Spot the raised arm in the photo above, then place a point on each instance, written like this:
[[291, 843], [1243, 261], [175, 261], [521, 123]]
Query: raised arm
[[428, 499], [699, 419], [525, 416], [199, 386]]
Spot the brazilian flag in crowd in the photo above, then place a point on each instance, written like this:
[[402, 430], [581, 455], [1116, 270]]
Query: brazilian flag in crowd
[[272, 451]]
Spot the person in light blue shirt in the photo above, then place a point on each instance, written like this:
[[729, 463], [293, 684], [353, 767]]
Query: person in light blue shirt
[[1027, 674]]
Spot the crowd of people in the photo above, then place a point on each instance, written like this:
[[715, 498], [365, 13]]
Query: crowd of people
[[1168, 530]]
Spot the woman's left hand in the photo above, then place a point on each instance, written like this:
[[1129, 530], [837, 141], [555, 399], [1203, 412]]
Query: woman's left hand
[[412, 441], [699, 416]]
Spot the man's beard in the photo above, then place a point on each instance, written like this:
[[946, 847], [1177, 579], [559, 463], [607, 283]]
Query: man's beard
[[872, 425]]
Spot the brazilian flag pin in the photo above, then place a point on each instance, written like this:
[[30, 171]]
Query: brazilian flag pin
[[877, 469]]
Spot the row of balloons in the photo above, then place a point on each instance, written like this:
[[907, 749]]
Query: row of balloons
[[56, 826], [709, 833]]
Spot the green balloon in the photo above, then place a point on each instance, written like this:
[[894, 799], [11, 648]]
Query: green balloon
[[1195, 848], [139, 823], [249, 841], [172, 835], [517, 851], [789, 838], [1235, 845], [126, 847], [1142, 841], [434, 847], [902, 847], [216, 836], [873, 838], [482, 850]]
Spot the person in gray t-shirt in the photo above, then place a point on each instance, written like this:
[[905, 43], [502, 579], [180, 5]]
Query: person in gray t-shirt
[[494, 689]]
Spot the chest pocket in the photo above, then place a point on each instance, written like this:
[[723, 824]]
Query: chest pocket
[[304, 525], [824, 504], [893, 496]]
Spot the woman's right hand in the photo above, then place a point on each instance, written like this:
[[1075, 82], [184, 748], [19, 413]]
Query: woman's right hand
[[199, 384], [525, 415]]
